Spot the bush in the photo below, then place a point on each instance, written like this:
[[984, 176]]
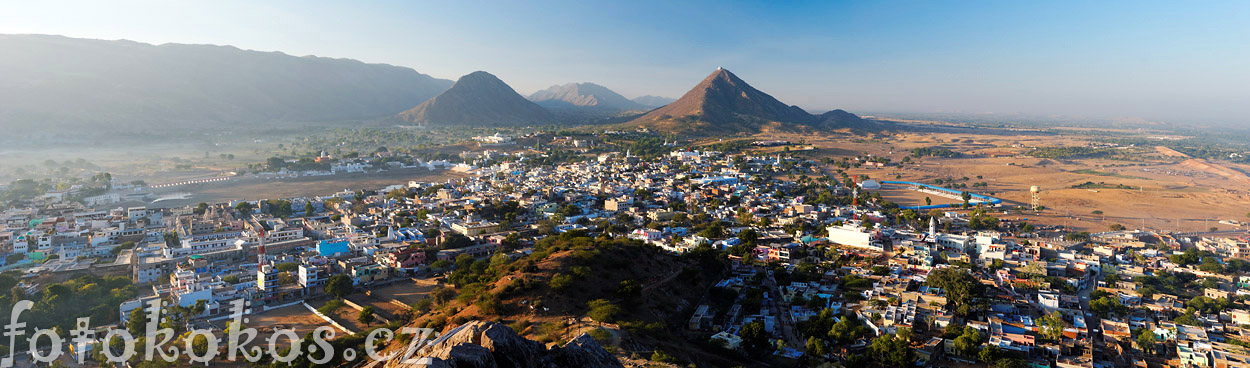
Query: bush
[[601, 335], [602, 310], [331, 306], [489, 303], [550, 331], [460, 320], [662, 357], [520, 325], [423, 305], [560, 281]]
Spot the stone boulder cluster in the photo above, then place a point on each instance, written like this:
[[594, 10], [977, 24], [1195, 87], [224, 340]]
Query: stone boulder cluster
[[480, 344]]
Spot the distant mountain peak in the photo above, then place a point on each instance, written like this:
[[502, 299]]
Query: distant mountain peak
[[653, 101], [478, 99], [583, 95]]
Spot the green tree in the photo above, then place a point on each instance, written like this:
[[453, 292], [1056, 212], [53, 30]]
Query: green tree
[[630, 290], [309, 210], [988, 353], [366, 316], [1146, 340], [244, 208], [815, 347], [199, 345], [560, 281], [339, 286], [287, 267], [847, 331], [966, 344], [137, 323], [440, 265], [1106, 307], [1188, 319], [962, 289], [754, 338], [892, 350], [1052, 326]]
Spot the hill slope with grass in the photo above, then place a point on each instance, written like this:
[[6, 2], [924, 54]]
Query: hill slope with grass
[[630, 296]]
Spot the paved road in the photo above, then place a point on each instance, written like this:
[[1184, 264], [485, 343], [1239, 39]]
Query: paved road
[[1092, 322], [781, 311]]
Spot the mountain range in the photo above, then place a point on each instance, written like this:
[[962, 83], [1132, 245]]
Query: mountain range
[[53, 81], [59, 84], [653, 101]]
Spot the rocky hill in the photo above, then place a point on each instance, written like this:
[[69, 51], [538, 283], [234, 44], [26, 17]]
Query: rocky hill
[[478, 99], [635, 295], [479, 344], [69, 83]]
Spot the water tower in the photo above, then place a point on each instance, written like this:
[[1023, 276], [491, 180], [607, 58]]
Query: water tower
[[1035, 191]]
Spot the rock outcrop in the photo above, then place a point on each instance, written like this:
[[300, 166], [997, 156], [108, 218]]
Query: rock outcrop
[[480, 344]]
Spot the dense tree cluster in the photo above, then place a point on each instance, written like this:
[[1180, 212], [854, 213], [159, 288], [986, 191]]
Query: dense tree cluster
[[963, 290]]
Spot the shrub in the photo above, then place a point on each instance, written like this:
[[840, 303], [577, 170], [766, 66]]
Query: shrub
[[331, 306], [602, 310], [560, 281]]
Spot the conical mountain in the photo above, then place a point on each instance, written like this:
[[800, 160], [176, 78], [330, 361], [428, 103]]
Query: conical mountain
[[478, 99], [723, 103], [583, 95]]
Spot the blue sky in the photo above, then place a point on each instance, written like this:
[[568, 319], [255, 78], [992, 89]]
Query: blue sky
[[1172, 61]]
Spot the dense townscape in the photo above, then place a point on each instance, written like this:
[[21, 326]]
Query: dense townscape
[[808, 265]]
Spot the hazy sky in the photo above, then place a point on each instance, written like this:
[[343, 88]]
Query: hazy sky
[[1175, 61]]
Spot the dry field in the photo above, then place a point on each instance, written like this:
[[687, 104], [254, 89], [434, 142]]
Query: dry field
[[405, 292], [293, 317], [1169, 191], [907, 197], [252, 189]]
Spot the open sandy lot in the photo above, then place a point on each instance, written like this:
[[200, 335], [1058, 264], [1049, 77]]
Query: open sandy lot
[[294, 317], [248, 188], [907, 197]]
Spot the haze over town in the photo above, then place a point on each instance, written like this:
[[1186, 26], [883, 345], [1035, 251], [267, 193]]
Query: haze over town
[[625, 184]]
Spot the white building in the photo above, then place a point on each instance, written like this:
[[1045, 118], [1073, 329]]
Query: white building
[[646, 235], [852, 235]]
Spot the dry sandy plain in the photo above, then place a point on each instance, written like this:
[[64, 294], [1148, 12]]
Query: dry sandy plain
[[247, 188], [1169, 190]]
